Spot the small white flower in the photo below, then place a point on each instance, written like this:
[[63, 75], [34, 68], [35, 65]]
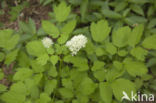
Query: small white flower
[[47, 42], [76, 43]]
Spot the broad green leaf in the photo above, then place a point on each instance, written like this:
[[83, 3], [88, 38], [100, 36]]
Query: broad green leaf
[[110, 48], [59, 15], [50, 29], [37, 78], [50, 50], [118, 65], [19, 88], [79, 62], [22, 74], [52, 72], [135, 68], [90, 48], [12, 97], [136, 35], [66, 93], [7, 40], [139, 53], [36, 67], [23, 59], [66, 31], [122, 53], [150, 42], [121, 36], [10, 57], [67, 83], [54, 59], [106, 92], [68, 27], [122, 85], [100, 30], [44, 98], [112, 74], [50, 85], [35, 48], [100, 51], [34, 92], [87, 86], [100, 75], [97, 65], [82, 98], [42, 59]]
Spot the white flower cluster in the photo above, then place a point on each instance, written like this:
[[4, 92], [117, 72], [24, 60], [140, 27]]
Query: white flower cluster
[[76, 43], [47, 42]]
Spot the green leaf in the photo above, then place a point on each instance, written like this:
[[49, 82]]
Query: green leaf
[[7, 40], [3, 88], [50, 29], [23, 59], [36, 67], [50, 86], [61, 16], [118, 65], [19, 88], [139, 53], [54, 59], [106, 92], [112, 74], [100, 75], [52, 72], [22, 74], [12, 97], [87, 86], [97, 65], [111, 14], [83, 9], [121, 36], [79, 62], [100, 30], [42, 59], [122, 53], [122, 85], [66, 31], [120, 6], [2, 56], [44, 98], [10, 57], [1, 74], [32, 26], [35, 48], [137, 9], [110, 48], [68, 27], [67, 83], [135, 35], [135, 68], [100, 51], [66, 93], [150, 42]]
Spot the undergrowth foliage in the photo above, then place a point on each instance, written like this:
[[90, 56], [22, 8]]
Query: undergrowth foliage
[[65, 63]]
